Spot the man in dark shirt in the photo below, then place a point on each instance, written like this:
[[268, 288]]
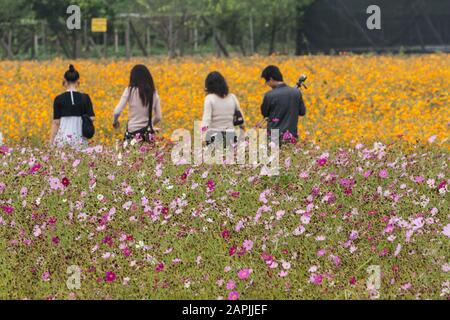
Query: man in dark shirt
[[282, 105]]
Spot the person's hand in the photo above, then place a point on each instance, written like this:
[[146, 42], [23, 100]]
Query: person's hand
[[116, 124]]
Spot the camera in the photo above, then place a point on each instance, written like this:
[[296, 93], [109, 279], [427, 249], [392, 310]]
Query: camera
[[301, 81]]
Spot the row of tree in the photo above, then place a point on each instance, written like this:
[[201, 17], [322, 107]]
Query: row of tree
[[37, 28]]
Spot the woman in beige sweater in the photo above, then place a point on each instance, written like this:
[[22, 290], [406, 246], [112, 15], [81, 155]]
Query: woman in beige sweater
[[219, 109], [140, 95]]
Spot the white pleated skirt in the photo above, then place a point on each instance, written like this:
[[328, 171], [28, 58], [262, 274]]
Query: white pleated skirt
[[70, 133]]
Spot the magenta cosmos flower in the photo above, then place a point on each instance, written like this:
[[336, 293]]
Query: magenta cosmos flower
[[226, 234], [159, 267], [110, 276], [234, 295], [211, 186], [35, 168], [322, 161], [7, 209], [243, 274], [65, 182]]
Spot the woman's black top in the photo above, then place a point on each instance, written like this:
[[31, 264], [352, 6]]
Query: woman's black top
[[72, 104]]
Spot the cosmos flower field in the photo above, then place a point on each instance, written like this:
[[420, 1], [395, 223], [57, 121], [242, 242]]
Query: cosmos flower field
[[360, 209]]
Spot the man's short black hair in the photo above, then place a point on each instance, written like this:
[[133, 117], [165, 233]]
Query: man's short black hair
[[272, 72]]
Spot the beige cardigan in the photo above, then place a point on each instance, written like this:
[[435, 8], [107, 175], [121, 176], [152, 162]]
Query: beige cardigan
[[218, 112], [138, 113]]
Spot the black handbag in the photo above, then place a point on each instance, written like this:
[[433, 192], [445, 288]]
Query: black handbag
[[88, 128], [145, 134], [238, 118]]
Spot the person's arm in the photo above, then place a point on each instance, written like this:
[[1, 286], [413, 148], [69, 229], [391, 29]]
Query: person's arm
[[56, 120], [265, 107], [55, 128], [90, 108], [119, 108], [207, 113], [157, 115], [302, 107]]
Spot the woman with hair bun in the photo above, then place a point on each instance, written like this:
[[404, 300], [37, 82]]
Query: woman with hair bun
[[68, 110]]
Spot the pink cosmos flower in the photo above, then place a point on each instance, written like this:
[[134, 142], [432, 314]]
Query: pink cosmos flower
[[287, 136], [419, 179], [316, 279], [110, 276], [233, 295], [52, 221], [235, 194], [383, 173], [243, 274], [406, 286], [231, 285], [367, 174], [336, 260], [45, 276], [446, 230], [432, 139], [55, 184], [23, 192], [283, 273], [247, 245], [126, 252], [442, 185], [4, 149]]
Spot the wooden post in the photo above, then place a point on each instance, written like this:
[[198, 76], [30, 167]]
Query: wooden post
[[7, 48], [85, 35], [148, 40], [35, 44], [252, 36], [127, 38], [44, 37], [76, 45], [10, 40], [116, 40], [196, 39], [171, 48], [105, 44]]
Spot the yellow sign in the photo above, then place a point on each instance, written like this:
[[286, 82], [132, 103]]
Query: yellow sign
[[99, 25]]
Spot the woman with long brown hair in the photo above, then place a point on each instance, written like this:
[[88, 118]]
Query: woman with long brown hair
[[144, 105]]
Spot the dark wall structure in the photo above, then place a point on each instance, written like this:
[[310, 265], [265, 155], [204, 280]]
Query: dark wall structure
[[408, 25]]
